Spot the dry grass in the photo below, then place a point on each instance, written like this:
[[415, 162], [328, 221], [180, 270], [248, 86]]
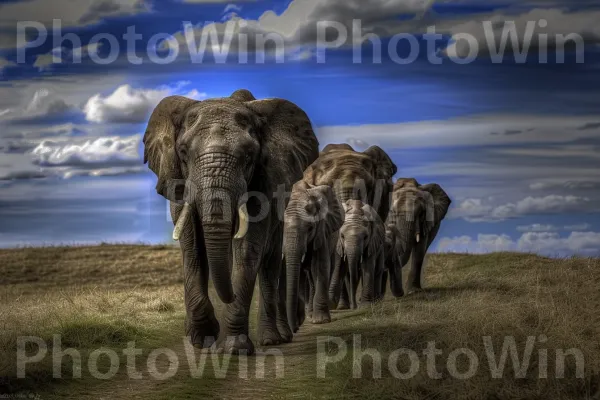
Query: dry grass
[[109, 295]]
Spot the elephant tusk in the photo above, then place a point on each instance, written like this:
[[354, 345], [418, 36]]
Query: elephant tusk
[[244, 222], [178, 230], [418, 237], [303, 256]]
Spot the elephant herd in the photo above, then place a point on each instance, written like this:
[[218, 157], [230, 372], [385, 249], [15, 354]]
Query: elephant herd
[[253, 198]]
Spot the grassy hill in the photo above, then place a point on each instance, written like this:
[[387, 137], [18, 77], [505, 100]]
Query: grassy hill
[[107, 296]]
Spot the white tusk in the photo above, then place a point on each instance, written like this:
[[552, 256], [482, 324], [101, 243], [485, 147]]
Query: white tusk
[[178, 230], [418, 237], [303, 256], [361, 259], [244, 223]]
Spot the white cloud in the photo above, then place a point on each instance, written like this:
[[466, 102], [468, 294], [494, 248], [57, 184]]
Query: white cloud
[[537, 228], [232, 8], [553, 228], [478, 210], [559, 22], [578, 227], [112, 151], [71, 13], [296, 26], [4, 63], [570, 185], [546, 243], [44, 62], [468, 131], [129, 105], [45, 103]]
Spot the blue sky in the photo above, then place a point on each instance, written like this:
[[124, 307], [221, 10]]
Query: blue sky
[[515, 144]]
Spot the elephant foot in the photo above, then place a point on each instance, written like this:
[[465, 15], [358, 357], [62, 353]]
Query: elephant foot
[[202, 335], [235, 344], [321, 317], [366, 304], [343, 305], [414, 290], [269, 337], [285, 332]]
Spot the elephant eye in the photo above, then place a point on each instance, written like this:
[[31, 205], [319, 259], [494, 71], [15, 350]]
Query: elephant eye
[[183, 153]]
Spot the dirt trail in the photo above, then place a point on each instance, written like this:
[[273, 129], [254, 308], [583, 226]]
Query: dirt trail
[[298, 356]]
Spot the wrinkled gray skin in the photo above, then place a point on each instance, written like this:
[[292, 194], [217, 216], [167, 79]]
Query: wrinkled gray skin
[[312, 219], [361, 249], [413, 223], [218, 150]]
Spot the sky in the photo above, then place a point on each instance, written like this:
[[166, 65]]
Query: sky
[[513, 139]]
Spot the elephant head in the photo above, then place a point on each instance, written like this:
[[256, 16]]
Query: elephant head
[[208, 154], [383, 169], [361, 245], [417, 212], [311, 218]]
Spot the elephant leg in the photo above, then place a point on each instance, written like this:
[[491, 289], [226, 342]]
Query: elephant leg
[[269, 275], [344, 303], [302, 300], [384, 280], [337, 281], [414, 279], [351, 292], [201, 325], [320, 267], [282, 321], [395, 271], [248, 254], [311, 293]]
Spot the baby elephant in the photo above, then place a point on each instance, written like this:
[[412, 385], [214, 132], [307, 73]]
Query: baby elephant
[[312, 219], [360, 253]]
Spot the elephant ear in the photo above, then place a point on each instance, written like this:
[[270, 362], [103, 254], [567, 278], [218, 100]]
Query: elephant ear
[[159, 145], [384, 170], [337, 147], [243, 95], [438, 203], [403, 183], [403, 217], [288, 142], [331, 216], [377, 237]]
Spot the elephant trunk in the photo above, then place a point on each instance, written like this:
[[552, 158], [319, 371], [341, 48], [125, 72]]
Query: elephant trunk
[[354, 257], [218, 251], [335, 285], [294, 254], [215, 206], [368, 294]]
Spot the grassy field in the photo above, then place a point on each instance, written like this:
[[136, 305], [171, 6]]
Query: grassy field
[[107, 296]]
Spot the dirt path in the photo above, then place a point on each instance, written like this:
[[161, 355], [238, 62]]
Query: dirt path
[[298, 358]]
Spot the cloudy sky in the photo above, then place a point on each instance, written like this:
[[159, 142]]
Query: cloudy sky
[[515, 143]]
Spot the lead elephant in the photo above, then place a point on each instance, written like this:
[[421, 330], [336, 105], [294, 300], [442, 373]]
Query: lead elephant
[[312, 219], [208, 155], [414, 221]]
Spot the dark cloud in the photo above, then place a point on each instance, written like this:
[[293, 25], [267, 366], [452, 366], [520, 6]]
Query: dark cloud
[[589, 126]]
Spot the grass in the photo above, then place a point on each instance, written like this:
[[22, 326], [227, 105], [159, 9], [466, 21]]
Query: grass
[[107, 296]]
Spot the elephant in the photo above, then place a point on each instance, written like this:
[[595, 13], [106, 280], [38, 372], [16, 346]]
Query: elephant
[[219, 162], [361, 248], [354, 175], [365, 176], [312, 218], [414, 221]]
